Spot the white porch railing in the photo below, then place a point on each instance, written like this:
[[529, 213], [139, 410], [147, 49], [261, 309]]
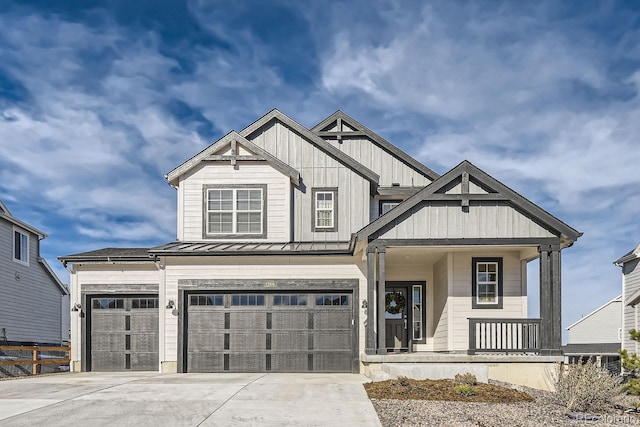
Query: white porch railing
[[504, 335]]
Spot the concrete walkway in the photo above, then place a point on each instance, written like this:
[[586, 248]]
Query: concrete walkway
[[128, 399]]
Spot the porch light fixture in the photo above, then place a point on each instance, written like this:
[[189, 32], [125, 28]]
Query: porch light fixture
[[77, 307], [171, 304]]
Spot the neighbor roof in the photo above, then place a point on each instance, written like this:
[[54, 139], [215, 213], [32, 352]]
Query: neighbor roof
[[616, 299], [629, 256], [6, 214]]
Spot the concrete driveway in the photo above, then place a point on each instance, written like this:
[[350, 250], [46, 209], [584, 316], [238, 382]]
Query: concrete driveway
[[127, 399]]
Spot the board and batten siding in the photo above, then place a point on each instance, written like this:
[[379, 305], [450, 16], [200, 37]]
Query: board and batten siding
[[630, 288], [259, 268], [447, 220], [106, 276], [390, 168], [440, 316], [514, 293], [32, 309], [224, 174], [317, 170], [602, 326]]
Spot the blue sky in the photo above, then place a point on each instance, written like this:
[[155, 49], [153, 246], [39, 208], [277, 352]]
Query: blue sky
[[98, 100]]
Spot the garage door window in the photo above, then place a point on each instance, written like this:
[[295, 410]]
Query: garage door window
[[207, 300], [332, 299], [144, 303], [247, 299], [286, 300], [108, 303]]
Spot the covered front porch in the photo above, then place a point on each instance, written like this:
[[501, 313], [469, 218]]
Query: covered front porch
[[436, 300]]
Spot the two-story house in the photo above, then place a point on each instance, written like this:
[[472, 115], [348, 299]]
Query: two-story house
[[323, 249], [630, 264], [35, 307]]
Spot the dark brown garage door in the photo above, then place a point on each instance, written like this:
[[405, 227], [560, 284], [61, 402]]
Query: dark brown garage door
[[270, 332], [124, 333]]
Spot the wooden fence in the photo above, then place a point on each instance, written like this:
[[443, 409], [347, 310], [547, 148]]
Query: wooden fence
[[35, 356]]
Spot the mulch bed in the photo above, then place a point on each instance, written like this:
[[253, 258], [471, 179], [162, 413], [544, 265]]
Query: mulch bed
[[410, 389]]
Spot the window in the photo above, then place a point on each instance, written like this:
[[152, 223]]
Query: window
[[20, 247], [207, 300], [324, 299], [144, 303], [108, 303], [235, 211], [247, 299], [487, 282], [325, 207], [289, 300], [387, 205], [416, 299]]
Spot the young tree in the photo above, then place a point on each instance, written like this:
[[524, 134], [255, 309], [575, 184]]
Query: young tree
[[631, 364]]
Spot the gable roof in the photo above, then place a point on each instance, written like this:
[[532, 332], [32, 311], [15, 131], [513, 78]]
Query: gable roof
[[323, 145], [498, 191], [616, 299], [61, 286], [5, 214], [232, 139], [359, 129], [629, 256]]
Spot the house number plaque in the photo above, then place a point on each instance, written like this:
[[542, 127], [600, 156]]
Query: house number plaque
[[269, 284]]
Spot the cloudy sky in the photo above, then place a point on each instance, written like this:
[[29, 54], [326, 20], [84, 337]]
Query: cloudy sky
[[98, 100]]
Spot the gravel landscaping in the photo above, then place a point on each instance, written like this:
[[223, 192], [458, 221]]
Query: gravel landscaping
[[543, 410]]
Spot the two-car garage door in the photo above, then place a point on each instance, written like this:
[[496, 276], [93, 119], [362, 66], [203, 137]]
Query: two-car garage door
[[269, 332]]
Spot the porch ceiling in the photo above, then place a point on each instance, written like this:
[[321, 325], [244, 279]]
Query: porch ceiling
[[429, 255]]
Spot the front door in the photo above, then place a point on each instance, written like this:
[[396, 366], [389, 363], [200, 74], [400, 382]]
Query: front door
[[396, 323]]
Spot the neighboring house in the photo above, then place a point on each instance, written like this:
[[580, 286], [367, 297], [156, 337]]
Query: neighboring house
[[597, 336], [35, 304], [324, 249], [630, 297]]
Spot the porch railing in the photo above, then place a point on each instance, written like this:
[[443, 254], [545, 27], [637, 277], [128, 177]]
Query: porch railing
[[504, 335]]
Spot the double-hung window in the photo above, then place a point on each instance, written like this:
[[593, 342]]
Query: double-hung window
[[487, 282], [20, 247], [325, 208], [235, 211]]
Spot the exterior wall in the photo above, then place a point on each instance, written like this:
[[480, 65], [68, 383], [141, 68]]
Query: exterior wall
[[440, 328], [33, 305], [257, 268], [630, 286], [599, 327], [381, 162], [443, 220], [192, 198], [514, 296], [108, 275], [318, 170]]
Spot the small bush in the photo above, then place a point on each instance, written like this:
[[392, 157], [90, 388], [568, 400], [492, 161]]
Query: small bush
[[586, 386], [465, 390], [467, 378]]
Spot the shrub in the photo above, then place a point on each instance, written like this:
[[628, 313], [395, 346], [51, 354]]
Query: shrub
[[465, 390], [586, 386], [467, 378]]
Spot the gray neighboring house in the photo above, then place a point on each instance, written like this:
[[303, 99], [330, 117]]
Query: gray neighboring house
[[35, 306], [597, 335], [630, 296]]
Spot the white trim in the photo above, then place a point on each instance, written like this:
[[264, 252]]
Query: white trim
[[24, 237], [616, 299]]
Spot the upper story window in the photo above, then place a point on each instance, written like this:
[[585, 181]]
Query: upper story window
[[20, 247], [387, 205], [232, 211], [325, 209], [487, 282]]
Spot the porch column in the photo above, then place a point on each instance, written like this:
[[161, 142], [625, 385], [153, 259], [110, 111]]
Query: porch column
[[550, 300], [370, 346], [382, 344]]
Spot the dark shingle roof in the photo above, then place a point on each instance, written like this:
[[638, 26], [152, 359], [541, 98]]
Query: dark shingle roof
[[594, 348], [109, 254]]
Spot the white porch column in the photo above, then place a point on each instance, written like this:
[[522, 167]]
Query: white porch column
[[382, 344], [370, 345]]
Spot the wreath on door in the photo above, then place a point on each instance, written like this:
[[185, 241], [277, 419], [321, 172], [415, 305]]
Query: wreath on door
[[394, 302]]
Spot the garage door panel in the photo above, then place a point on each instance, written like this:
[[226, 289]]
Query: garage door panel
[[247, 320], [143, 342], [330, 362], [142, 361], [206, 341], [283, 320], [299, 340], [332, 319], [247, 341], [246, 362], [144, 322], [107, 361], [206, 361], [107, 341], [205, 320], [290, 362], [107, 320], [335, 340]]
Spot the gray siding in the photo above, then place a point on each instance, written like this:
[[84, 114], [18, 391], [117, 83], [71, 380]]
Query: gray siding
[[318, 170], [599, 327], [32, 309], [631, 285], [390, 168], [443, 219]]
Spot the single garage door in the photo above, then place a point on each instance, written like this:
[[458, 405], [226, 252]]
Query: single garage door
[[270, 332], [123, 333]]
